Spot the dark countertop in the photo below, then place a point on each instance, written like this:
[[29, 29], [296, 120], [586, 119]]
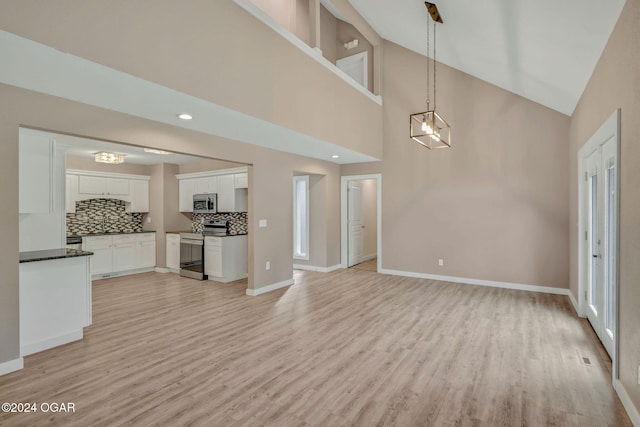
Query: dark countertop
[[110, 233], [208, 235], [50, 254]]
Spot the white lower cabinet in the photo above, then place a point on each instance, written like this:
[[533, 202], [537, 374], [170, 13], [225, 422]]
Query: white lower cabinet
[[121, 254], [173, 252], [124, 252], [225, 258], [102, 260], [146, 250]]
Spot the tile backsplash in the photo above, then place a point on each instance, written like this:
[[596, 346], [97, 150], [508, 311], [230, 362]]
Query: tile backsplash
[[102, 216], [237, 221]]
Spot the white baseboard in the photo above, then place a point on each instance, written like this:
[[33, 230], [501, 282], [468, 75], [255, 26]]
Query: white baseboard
[[269, 288], [162, 270], [632, 411], [369, 257], [122, 273], [480, 282], [574, 303], [38, 346], [11, 366], [314, 268]]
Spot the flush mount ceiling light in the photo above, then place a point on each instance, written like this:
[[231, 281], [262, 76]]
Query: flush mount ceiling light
[[154, 151], [111, 158], [185, 116], [335, 156], [428, 128]]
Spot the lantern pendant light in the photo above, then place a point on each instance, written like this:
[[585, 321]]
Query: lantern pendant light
[[428, 128]]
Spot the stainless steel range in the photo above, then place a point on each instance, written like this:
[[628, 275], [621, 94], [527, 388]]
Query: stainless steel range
[[192, 255], [192, 262]]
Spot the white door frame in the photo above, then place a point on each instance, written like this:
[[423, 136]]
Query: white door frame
[[610, 128], [344, 229]]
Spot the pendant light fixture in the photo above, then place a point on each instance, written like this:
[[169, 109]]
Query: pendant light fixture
[[428, 128]]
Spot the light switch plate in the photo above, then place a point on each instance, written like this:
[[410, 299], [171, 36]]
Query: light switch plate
[[262, 223]]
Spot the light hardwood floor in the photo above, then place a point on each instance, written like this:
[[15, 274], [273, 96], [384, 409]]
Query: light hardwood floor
[[345, 348]]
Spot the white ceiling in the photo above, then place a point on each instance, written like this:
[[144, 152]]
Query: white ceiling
[[543, 50], [87, 148]]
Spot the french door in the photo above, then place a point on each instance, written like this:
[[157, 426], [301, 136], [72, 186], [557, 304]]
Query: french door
[[601, 240]]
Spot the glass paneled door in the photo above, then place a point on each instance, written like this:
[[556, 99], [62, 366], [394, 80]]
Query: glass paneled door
[[601, 240]]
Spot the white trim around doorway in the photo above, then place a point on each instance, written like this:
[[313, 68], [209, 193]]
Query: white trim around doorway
[[344, 182], [609, 129]]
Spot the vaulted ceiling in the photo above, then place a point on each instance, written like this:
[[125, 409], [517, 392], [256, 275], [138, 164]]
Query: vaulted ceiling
[[543, 50]]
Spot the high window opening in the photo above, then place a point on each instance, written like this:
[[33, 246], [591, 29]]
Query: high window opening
[[301, 217]]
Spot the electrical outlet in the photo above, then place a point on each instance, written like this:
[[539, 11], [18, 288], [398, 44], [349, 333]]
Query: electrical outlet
[[268, 265], [440, 262]]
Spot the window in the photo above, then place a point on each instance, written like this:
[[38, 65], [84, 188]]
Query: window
[[301, 217]]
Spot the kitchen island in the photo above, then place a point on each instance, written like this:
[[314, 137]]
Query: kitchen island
[[55, 298]]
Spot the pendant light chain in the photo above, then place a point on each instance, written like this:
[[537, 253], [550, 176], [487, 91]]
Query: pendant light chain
[[428, 64], [434, 65]]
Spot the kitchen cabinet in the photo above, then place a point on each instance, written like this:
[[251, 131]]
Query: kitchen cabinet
[[84, 185], [139, 191], [226, 193], [55, 302], [173, 252], [186, 188], [102, 259], [71, 192], [124, 252], [242, 180], [225, 258], [40, 161], [103, 186], [213, 256], [121, 254], [145, 250], [207, 184], [230, 185]]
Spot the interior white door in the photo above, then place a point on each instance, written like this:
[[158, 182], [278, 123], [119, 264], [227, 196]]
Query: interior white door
[[356, 67], [601, 217], [355, 245]]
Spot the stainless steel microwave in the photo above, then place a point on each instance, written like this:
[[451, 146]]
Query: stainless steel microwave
[[205, 203]]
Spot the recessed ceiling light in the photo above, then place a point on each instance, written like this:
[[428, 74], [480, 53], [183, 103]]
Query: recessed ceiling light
[[335, 156], [185, 116], [154, 151]]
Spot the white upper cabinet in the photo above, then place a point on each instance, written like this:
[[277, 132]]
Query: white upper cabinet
[[226, 193], [71, 192], [36, 157], [187, 188], [139, 191], [230, 185], [103, 186], [242, 180], [83, 185]]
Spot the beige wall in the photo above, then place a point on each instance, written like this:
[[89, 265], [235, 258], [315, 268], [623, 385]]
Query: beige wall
[[370, 217], [254, 71], [328, 34], [494, 207], [207, 165], [174, 220], [270, 178], [86, 164], [614, 84]]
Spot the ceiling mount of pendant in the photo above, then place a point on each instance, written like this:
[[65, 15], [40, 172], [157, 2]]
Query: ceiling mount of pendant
[[433, 11]]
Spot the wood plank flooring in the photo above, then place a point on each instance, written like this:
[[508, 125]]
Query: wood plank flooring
[[347, 348]]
